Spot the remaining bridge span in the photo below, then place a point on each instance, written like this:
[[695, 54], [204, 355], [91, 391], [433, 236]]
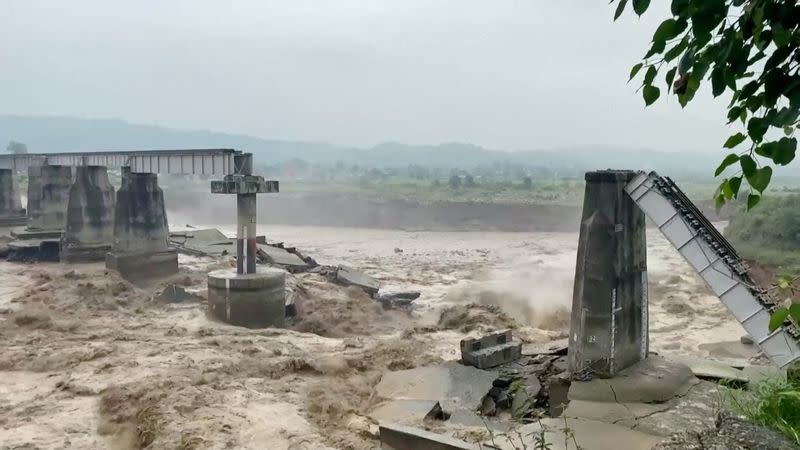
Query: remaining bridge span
[[185, 161]]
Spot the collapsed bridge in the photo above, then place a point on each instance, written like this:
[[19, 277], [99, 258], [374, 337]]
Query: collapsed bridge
[[609, 323]]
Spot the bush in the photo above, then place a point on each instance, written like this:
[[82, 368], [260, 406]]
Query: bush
[[773, 403]]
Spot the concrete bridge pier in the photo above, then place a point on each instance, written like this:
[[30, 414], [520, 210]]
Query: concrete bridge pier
[[609, 324], [11, 211], [48, 195], [34, 191], [248, 296], [89, 230], [140, 248]]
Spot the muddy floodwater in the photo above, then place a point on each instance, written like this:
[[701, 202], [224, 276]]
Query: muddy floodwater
[[89, 361]]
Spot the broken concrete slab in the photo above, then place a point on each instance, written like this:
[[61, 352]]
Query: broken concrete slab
[[206, 242], [397, 300], [352, 277], [708, 369], [400, 437], [175, 294], [404, 411], [554, 347], [588, 434], [280, 257], [491, 350], [459, 389], [730, 350], [654, 379]]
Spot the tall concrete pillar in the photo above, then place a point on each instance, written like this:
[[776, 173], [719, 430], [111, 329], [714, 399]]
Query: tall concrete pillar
[[89, 228], [140, 248], [11, 211], [52, 196], [608, 330], [251, 297], [34, 191]]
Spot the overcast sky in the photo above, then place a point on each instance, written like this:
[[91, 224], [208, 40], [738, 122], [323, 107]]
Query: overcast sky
[[523, 74]]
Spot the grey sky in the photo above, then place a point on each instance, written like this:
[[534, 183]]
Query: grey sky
[[525, 74]]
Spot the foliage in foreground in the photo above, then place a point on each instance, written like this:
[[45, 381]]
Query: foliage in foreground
[[750, 48], [773, 403]]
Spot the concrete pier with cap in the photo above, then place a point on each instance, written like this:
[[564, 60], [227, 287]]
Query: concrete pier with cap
[[251, 297], [140, 249], [608, 329], [89, 230], [11, 211], [48, 198]]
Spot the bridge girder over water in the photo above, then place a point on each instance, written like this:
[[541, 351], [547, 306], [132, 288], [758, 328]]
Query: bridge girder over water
[[181, 161]]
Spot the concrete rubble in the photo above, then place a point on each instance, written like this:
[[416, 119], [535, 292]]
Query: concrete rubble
[[351, 277], [490, 351]]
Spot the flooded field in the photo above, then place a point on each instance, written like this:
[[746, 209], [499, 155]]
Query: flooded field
[[90, 361]]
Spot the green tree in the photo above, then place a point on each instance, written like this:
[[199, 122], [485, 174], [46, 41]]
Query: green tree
[[748, 49], [16, 147]]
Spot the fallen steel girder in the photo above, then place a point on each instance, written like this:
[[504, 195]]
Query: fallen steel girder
[[716, 261]]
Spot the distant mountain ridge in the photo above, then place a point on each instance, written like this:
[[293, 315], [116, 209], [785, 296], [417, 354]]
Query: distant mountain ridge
[[47, 134]]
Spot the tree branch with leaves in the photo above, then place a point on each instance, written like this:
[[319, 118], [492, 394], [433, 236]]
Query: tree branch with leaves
[[748, 47]]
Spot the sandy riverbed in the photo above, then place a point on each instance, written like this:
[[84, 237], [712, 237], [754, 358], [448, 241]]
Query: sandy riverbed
[[89, 361]]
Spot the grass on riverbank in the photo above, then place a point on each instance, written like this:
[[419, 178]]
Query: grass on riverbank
[[772, 403]]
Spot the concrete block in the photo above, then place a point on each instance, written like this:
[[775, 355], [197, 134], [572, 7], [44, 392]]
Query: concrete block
[[253, 300], [400, 437], [491, 350]]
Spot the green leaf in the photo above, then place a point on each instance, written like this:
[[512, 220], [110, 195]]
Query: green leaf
[[781, 151], [670, 77], [752, 201], [634, 70], [794, 312], [780, 35], [650, 94], [748, 89], [733, 113], [756, 128], [718, 80], [732, 142], [686, 62], [760, 179], [778, 56], [650, 75], [706, 16], [640, 6], [748, 165], [735, 183], [680, 7], [658, 47], [725, 189], [620, 8], [719, 202], [676, 50], [788, 131], [784, 282], [778, 317], [669, 29]]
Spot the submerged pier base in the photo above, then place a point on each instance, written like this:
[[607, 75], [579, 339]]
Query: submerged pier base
[[608, 329], [141, 250]]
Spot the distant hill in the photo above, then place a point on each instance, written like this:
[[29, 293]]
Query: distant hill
[[53, 134]]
